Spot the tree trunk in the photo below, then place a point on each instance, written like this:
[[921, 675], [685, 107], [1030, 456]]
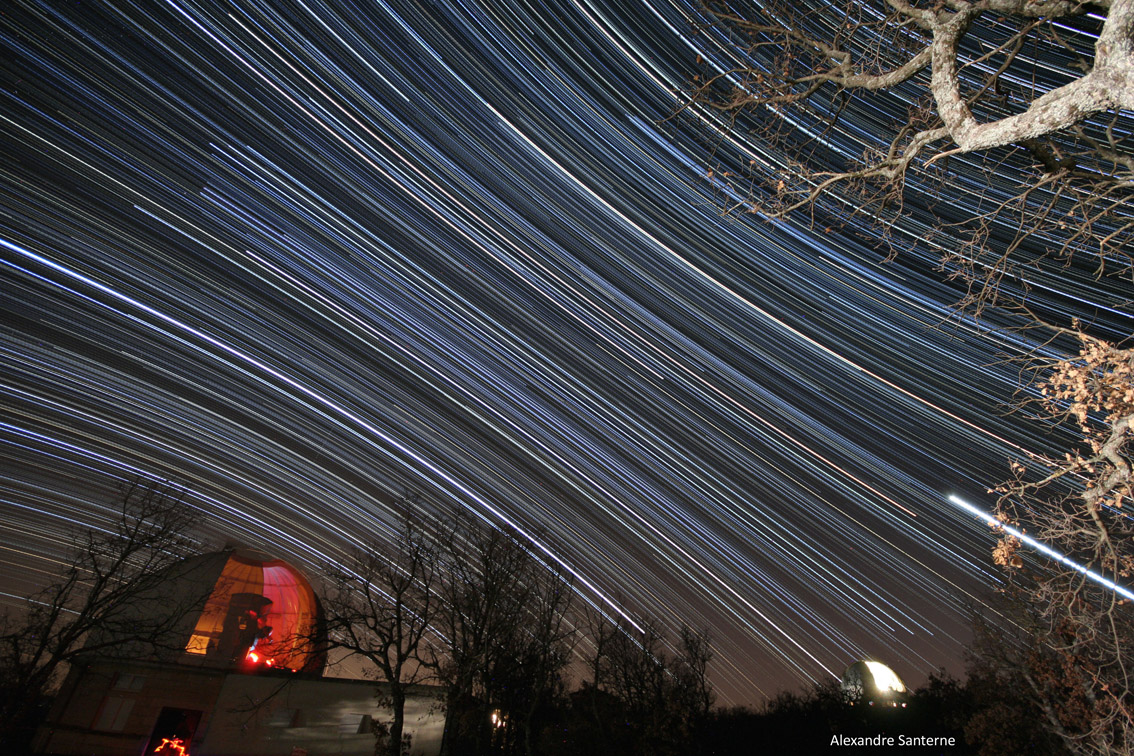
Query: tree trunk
[[451, 717], [398, 703]]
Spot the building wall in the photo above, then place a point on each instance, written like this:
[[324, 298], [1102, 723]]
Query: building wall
[[263, 716], [110, 708]]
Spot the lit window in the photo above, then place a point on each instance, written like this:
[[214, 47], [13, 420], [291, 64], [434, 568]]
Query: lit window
[[198, 644]]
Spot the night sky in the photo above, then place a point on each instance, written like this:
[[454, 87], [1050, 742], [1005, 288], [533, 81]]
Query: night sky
[[300, 258]]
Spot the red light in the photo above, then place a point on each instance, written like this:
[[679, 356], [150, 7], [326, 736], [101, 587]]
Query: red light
[[253, 659], [172, 747]]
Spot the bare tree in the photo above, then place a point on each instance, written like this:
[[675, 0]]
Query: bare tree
[[502, 639], [108, 600], [692, 672], [542, 646], [379, 606], [484, 594], [595, 694], [1030, 99], [658, 696]]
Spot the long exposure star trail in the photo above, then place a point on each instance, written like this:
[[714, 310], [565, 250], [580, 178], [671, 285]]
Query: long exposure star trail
[[299, 258]]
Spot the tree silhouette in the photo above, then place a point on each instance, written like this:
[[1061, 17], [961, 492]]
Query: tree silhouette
[[380, 604], [108, 600]]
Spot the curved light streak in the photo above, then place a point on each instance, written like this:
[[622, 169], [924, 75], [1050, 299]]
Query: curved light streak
[[298, 259]]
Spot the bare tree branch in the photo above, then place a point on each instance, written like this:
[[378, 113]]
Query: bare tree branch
[[110, 599], [1040, 90]]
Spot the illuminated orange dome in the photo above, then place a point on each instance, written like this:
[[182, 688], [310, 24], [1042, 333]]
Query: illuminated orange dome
[[261, 614]]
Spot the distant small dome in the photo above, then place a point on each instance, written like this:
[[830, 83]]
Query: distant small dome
[[260, 614], [872, 681]]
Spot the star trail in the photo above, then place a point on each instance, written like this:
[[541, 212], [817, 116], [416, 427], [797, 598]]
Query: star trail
[[298, 258]]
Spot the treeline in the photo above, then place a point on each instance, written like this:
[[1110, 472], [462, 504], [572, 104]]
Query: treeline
[[476, 610], [989, 713], [524, 666], [497, 625]]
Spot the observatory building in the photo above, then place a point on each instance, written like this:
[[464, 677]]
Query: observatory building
[[873, 683], [237, 671]]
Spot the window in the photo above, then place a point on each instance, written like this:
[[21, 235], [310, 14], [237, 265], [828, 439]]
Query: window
[[198, 644], [113, 713], [129, 682], [174, 726]]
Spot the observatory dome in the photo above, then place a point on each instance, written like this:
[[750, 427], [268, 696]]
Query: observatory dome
[[260, 613], [872, 682]]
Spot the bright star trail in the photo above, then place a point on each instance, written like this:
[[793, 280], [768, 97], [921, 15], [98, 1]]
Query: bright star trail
[[1043, 548], [298, 258]]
